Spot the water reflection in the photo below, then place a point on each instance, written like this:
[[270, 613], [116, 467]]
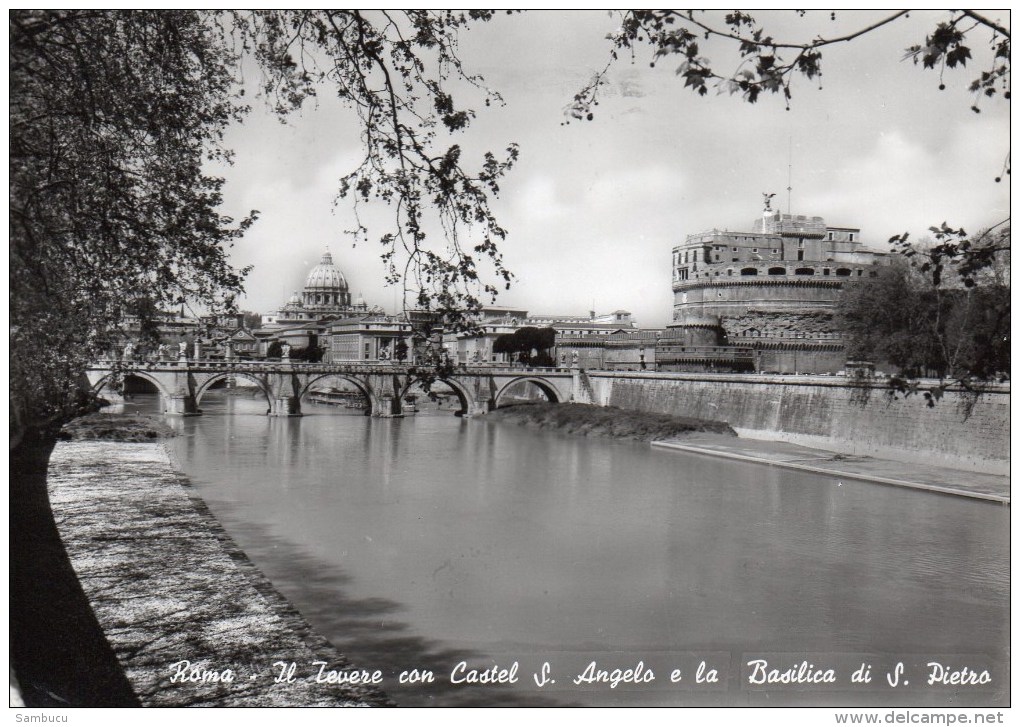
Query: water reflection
[[421, 541]]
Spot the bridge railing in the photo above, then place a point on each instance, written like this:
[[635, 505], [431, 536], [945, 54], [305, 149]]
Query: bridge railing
[[337, 367]]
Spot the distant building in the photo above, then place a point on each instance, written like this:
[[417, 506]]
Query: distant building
[[585, 342], [631, 349], [617, 317], [771, 291], [368, 338], [306, 319], [325, 297], [476, 347]]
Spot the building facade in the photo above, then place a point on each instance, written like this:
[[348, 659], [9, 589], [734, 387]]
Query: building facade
[[772, 289], [369, 338]]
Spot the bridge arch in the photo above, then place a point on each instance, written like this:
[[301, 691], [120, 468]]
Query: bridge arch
[[207, 384], [109, 378], [544, 386], [373, 403], [463, 393]]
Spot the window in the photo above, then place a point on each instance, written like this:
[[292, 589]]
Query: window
[[734, 249], [749, 271], [754, 249], [851, 237], [777, 271], [842, 272], [800, 254], [736, 260], [804, 271], [825, 271], [830, 235]]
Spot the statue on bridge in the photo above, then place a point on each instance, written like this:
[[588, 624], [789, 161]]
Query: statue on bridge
[[183, 345], [162, 353], [574, 359], [129, 352], [285, 351]]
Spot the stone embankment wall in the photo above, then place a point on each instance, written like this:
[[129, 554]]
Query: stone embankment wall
[[962, 430]]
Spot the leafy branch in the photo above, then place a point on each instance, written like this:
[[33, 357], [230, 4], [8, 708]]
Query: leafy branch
[[398, 72], [768, 65]]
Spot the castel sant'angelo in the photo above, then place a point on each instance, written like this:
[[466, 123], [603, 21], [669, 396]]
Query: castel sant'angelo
[[772, 289]]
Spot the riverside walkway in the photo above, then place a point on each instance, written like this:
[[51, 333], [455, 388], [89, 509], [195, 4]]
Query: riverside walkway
[[167, 584], [995, 488]]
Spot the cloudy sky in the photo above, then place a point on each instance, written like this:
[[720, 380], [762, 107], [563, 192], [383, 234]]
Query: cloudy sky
[[593, 209]]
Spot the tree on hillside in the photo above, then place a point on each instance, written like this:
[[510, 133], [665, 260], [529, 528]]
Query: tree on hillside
[[114, 113], [252, 320], [274, 350], [531, 345], [929, 317]]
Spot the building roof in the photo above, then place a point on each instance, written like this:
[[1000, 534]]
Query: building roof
[[326, 276]]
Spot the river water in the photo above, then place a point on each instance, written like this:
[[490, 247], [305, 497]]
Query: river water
[[422, 542]]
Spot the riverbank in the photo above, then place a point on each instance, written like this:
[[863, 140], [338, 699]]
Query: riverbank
[[598, 421], [929, 478], [59, 653], [116, 428], [161, 609]]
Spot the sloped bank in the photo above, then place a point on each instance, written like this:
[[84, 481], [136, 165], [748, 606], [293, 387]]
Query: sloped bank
[[190, 620], [596, 421], [966, 429]]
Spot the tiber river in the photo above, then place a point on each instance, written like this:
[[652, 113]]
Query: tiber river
[[421, 542]]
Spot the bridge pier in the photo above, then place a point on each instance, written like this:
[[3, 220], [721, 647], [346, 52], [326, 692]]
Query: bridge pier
[[286, 392], [479, 408], [389, 406], [285, 406], [182, 405]]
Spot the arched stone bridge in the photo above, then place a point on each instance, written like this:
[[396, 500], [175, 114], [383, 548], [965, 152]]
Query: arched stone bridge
[[181, 384]]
